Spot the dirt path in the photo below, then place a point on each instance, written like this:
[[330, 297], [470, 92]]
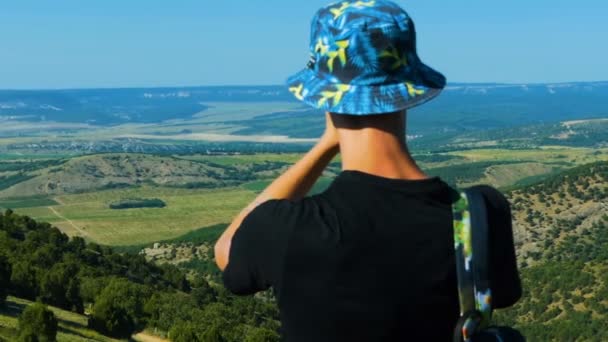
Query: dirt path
[[82, 232], [144, 337]]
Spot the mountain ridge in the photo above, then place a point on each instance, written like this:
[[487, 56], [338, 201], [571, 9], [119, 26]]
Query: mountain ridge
[[154, 105]]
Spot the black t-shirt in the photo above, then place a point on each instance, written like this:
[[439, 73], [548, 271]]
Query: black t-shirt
[[369, 259]]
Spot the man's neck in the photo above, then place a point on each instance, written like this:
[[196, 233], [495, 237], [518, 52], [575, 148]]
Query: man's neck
[[379, 153]]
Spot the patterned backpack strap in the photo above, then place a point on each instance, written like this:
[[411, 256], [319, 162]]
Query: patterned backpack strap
[[471, 253], [481, 261]]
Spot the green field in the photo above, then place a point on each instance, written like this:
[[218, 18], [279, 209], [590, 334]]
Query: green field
[[546, 154], [234, 160], [88, 215], [31, 156], [27, 202]]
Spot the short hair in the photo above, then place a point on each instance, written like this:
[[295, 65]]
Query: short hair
[[381, 121]]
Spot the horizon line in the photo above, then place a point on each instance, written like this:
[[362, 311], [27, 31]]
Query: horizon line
[[284, 86]]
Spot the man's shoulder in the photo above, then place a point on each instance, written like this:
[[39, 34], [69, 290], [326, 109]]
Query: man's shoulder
[[282, 214], [287, 207]]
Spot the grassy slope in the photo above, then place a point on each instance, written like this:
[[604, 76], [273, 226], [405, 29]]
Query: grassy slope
[[28, 202], [529, 165], [72, 326], [95, 172]]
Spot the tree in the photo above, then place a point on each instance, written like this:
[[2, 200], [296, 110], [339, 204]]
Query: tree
[[185, 332], [212, 334], [175, 277], [37, 323], [5, 278], [262, 335], [119, 308], [163, 310], [91, 287], [203, 294], [60, 286], [23, 280]]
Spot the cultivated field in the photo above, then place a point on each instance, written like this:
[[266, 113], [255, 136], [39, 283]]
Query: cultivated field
[[234, 160], [544, 154], [88, 215]]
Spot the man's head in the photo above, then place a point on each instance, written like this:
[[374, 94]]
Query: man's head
[[364, 61]]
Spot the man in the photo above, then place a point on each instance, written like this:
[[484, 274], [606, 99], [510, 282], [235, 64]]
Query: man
[[372, 257]]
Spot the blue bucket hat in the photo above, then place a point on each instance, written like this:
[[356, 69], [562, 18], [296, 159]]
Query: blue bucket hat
[[364, 61]]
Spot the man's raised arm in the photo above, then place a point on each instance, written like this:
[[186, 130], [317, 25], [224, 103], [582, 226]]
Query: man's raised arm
[[294, 184]]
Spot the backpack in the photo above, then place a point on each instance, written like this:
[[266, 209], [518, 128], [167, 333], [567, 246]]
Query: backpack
[[471, 239]]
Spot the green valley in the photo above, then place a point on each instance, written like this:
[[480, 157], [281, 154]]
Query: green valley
[[112, 223]]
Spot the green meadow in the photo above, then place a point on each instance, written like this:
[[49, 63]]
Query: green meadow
[[89, 215]]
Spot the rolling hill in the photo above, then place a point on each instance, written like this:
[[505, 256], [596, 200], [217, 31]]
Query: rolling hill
[[116, 171]]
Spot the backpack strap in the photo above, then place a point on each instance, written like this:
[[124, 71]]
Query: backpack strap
[[481, 262], [471, 253]]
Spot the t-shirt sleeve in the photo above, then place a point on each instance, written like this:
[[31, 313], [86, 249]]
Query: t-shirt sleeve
[[504, 276], [257, 249]]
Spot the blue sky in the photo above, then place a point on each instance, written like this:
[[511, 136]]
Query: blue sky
[[118, 43]]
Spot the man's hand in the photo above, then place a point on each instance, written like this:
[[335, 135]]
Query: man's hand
[[330, 137]]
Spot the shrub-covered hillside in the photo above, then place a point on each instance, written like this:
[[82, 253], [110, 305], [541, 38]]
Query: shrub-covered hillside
[[563, 244], [122, 293]]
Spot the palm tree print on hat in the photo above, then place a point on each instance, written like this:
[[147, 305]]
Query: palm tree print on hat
[[340, 53], [412, 91], [297, 91], [394, 53], [337, 95], [321, 48], [338, 12]]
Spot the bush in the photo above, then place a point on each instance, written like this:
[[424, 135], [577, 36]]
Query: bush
[[119, 309], [262, 335], [61, 287], [166, 309], [37, 323], [184, 332], [23, 280], [213, 335]]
